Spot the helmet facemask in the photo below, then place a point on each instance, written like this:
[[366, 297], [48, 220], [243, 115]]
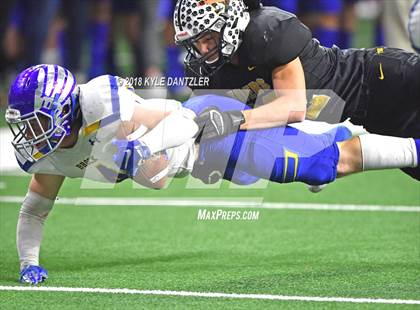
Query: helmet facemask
[[35, 135], [196, 19], [43, 101], [204, 65]]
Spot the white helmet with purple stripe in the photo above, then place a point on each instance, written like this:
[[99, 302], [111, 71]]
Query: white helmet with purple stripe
[[41, 109]]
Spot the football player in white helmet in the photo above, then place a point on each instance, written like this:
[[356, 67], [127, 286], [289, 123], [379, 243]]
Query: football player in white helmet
[[247, 52], [62, 129]]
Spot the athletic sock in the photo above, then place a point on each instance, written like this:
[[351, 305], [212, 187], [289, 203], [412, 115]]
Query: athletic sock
[[383, 152]]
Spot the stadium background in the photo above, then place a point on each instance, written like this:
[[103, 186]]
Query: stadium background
[[372, 254]]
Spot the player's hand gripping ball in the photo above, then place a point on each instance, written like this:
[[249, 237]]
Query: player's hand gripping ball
[[130, 155]]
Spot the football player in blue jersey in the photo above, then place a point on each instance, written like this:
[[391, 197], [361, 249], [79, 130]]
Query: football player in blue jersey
[[103, 131]]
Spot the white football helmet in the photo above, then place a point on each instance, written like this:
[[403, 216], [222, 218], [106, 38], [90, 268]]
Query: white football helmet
[[194, 19]]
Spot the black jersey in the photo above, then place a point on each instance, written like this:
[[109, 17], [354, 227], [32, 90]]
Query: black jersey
[[274, 38], [378, 88], [262, 48]]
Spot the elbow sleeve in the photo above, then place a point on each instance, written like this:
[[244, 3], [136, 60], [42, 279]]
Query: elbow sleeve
[[174, 130]]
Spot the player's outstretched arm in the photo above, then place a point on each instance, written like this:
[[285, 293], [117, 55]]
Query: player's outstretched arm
[[288, 107], [151, 130], [290, 104], [375, 152], [35, 208], [159, 130]]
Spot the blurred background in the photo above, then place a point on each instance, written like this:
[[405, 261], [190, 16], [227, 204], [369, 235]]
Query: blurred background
[[134, 38]]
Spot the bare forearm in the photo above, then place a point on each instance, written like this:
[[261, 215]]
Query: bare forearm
[[281, 111], [290, 104]]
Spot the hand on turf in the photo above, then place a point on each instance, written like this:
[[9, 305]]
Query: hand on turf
[[33, 274], [213, 123], [130, 155]]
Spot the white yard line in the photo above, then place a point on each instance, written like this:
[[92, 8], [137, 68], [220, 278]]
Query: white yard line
[[215, 203], [210, 295]]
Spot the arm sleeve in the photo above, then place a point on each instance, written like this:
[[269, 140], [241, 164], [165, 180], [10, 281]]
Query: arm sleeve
[[35, 209], [174, 130]]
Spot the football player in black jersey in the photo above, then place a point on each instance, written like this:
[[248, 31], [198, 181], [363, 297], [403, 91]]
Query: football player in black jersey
[[258, 48]]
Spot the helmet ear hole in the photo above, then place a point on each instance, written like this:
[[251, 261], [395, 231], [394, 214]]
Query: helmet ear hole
[[66, 109]]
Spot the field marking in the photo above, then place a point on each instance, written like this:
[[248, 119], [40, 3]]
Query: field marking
[[210, 295], [216, 203]]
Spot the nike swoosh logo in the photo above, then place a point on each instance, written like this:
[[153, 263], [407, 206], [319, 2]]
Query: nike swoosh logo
[[382, 76], [250, 68], [127, 158]]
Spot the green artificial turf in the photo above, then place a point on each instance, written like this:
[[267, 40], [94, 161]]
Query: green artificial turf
[[284, 252], [375, 188]]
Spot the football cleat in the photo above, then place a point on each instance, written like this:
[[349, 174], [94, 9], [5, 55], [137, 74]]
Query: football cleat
[[33, 274]]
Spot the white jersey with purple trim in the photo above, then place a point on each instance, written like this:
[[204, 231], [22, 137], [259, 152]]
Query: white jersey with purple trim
[[104, 102]]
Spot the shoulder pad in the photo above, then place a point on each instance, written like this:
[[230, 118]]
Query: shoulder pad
[[99, 98], [274, 37]]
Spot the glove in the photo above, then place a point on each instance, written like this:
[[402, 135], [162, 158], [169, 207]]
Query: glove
[[130, 154], [213, 123], [33, 274]]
